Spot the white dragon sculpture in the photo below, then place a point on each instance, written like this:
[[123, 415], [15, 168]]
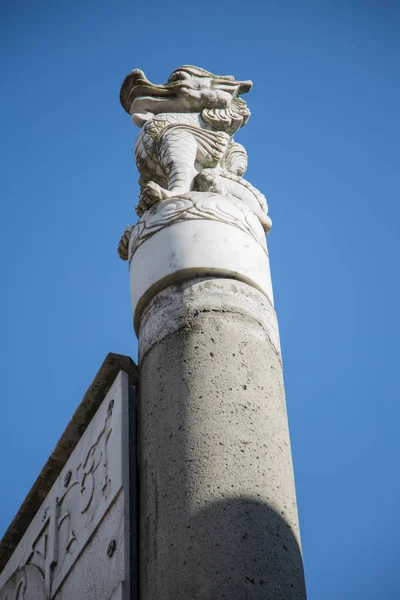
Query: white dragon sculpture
[[186, 139]]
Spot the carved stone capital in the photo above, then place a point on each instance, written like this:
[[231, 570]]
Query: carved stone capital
[[193, 235], [198, 216], [196, 206]]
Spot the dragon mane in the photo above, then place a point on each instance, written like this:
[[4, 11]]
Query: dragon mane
[[228, 119]]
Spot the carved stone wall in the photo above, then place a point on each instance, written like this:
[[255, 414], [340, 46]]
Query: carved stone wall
[[76, 546]]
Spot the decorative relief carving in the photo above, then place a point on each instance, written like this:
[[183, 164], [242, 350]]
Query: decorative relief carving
[[73, 509], [26, 583], [186, 141], [195, 205], [233, 187], [78, 505], [40, 546]]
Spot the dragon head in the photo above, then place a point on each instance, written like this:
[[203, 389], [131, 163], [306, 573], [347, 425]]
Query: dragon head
[[188, 89]]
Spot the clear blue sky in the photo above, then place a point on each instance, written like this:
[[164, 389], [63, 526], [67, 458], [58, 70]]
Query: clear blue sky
[[323, 144]]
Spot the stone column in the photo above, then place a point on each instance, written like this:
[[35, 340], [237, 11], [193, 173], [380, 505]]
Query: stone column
[[217, 516]]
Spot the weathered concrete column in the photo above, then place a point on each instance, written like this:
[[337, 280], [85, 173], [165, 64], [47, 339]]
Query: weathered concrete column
[[218, 516]]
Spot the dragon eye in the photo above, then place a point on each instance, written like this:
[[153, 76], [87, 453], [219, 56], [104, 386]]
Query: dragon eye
[[178, 76]]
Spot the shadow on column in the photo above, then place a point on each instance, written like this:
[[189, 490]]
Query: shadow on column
[[241, 549], [246, 550]]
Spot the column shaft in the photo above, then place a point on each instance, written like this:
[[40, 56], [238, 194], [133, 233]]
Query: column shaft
[[218, 516]]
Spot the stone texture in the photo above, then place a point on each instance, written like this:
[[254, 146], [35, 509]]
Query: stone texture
[[177, 305], [27, 583], [218, 515], [218, 506], [219, 239], [63, 553], [113, 363], [96, 575]]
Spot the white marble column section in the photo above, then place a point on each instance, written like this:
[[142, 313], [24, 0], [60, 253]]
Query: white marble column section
[[218, 516]]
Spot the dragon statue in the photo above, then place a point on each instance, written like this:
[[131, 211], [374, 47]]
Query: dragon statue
[[186, 139]]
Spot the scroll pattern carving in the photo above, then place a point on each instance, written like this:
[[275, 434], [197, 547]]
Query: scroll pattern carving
[[78, 505], [25, 584], [197, 206], [91, 476], [73, 509]]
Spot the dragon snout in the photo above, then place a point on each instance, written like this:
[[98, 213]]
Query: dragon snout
[[245, 86], [233, 86]]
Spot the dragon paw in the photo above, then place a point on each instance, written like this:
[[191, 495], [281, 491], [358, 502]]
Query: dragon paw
[[151, 194], [123, 246]]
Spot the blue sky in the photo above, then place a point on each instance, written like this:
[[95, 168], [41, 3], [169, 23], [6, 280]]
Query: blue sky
[[323, 145]]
